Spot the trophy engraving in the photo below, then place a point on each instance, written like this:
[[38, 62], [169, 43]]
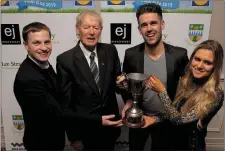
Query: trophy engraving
[[136, 85]]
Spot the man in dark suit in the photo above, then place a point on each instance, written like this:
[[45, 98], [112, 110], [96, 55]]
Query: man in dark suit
[[35, 89], [87, 76], [163, 60]]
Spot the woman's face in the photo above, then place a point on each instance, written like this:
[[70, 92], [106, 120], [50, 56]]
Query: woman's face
[[202, 63]]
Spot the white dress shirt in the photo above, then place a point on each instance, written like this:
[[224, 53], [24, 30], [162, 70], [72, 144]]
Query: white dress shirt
[[45, 65], [87, 54]]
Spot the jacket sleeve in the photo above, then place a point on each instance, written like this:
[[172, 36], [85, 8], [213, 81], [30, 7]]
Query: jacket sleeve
[[37, 100], [173, 114], [183, 63], [179, 118], [117, 64]]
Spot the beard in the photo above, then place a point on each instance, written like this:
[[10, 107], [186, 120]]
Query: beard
[[154, 44]]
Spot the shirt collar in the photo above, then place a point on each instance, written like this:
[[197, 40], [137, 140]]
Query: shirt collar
[[45, 65], [86, 52]]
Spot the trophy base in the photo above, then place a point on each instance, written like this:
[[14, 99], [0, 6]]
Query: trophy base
[[134, 125]]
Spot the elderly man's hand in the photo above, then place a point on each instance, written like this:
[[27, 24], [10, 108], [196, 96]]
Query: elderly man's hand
[[107, 121], [122, 82]]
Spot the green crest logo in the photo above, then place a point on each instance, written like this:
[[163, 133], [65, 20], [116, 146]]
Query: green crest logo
[[18, 122], [195, 32]]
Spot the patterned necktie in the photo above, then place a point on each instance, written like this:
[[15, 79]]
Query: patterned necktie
[[94, 69]]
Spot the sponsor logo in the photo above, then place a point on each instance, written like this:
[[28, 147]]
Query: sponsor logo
[[4, 3], [200, 3], [10, 65], [17, 146], [46, 4], [120, 33], [195, 32], [165, 4], [83, 2], [116, 2], [10, 34], [18, 123], [53, 38], [122, 145], [164, 36]]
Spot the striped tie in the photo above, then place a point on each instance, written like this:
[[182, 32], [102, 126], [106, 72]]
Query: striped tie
[[94, 69]]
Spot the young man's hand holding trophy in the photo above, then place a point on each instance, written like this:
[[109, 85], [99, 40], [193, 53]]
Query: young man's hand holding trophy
[[134, 83]]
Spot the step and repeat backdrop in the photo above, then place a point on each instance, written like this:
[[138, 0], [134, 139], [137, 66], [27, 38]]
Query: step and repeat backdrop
[[187, 25]]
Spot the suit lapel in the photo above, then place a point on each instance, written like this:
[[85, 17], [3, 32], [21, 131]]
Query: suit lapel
[[52, 76], [81, 62], [102, 64], [169, 65], [140, 59]]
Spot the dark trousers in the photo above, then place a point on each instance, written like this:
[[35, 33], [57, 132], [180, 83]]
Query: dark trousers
[[154, 138], [44, 150], [99, 145], [140, 139], [103, 139], [162, 136]]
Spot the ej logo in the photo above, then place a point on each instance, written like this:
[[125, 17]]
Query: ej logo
[[10, 34], [121, 33]]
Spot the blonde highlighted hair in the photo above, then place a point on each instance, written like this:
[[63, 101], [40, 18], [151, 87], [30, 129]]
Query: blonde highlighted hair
[[200, 98]]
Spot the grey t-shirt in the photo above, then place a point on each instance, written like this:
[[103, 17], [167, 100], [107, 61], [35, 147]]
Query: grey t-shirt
[[151, 105]]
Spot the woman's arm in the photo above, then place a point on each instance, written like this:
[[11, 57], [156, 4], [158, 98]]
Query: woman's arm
[[173, 114]]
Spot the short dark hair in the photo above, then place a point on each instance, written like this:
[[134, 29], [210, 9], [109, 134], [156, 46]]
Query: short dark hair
[[34, 27], [149, 8]]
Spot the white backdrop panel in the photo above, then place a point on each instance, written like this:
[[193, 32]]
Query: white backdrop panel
[[10, 107], [64, 37], [176, 29], [62, 26]]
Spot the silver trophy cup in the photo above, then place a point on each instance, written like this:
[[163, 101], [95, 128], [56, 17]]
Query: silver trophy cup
[[136, 85]]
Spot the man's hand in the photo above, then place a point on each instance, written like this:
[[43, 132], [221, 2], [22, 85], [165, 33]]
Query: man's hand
[[121, 82], [128, 105], [155, 84], [106, 121], [148, 121], [77, 145]]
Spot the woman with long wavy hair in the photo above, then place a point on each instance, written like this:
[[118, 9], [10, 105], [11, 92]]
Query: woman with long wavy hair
[[199, 96]]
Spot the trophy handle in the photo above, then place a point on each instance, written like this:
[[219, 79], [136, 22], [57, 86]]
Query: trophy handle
[[145, 83]]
